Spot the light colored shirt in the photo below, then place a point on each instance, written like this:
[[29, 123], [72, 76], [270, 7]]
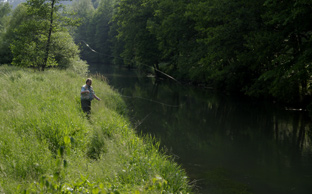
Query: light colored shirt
[[87, 96]]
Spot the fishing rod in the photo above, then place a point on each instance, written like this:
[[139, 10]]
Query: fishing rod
[[169, 76], [138, 97]]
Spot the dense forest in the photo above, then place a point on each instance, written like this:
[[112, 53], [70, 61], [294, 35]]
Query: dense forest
[[261, 48]]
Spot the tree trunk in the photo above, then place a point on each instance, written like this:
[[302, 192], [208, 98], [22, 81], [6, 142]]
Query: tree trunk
[[49, 37]]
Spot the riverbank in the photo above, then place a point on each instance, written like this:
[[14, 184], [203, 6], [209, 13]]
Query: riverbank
[[48, 145]]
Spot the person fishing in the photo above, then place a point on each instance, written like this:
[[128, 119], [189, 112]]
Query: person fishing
[[87, 95]]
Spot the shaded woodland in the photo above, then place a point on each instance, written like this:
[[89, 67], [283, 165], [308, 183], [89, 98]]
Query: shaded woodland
[[261, 48]]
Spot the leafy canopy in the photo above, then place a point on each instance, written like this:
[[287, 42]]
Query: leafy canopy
[[37, 42]]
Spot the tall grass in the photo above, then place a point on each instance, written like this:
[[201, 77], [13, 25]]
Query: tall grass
[[47, 145]]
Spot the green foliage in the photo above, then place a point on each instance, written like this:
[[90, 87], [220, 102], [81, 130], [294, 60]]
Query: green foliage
[[253, 47], [47, 143], [174, 32], [63, 49], [30, 50], [283, 51], [5, 10], [40, 40], [101, 19], [78, 66], [84, 11], [94, 34], [140, 46]]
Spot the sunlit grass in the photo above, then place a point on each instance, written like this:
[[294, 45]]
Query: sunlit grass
[[48, 145]]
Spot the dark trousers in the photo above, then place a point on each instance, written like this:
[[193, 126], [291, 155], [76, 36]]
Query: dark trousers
[[86, 106]]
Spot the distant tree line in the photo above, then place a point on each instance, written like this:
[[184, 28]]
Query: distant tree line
[[13, 3]]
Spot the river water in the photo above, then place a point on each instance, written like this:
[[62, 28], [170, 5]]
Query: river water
[[226, 144]]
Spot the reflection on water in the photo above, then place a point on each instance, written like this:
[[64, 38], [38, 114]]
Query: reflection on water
[[226, 144]]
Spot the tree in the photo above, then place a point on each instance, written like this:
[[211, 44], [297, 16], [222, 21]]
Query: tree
[[175, 36], [52, 12], [284, 51], [255, 47], [33, 37], [222, 27], [5, 9], [84, 12], [140, 46], [102, 20]]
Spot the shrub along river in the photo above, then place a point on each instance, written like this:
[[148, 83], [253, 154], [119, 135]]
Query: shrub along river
[[226, 144]]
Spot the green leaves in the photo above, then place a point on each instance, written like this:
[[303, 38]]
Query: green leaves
[[40, 40], [140, 46], [280, 50], [230, 45], [5, 9]]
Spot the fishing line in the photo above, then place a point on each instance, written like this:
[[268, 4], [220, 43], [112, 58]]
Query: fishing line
[[142, 98], [92, 49], [150, 100], [140, 122], [169, 76]]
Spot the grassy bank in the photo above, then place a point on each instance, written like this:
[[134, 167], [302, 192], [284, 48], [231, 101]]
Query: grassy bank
[[48, 145]]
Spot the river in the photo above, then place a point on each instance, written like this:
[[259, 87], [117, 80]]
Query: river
[[226, 144]]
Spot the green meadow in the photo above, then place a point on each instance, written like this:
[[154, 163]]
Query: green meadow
[[47, 145]]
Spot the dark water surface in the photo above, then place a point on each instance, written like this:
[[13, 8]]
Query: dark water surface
[[226, 144]]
